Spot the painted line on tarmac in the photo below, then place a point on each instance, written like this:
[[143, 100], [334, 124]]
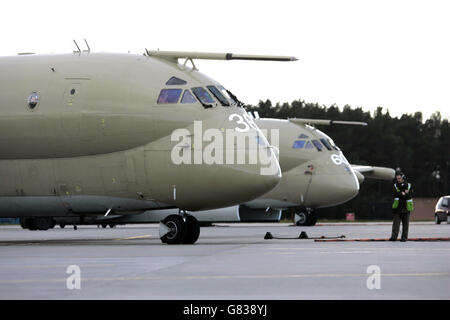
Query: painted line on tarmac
[[327, 252], [59, 266], [369, 248], [231, 277], [146, 236]]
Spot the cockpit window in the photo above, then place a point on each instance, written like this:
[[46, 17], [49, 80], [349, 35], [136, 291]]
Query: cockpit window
[[299, 144], [235, 99], [219, 95], [326, 144], [169, 96], [303, 136], [203, 95], [309, 145], [317, 144], [225, 93], [175, 81], [188, 97]]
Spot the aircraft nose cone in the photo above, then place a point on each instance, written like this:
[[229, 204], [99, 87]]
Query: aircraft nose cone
[[348, 187], [333, 189]]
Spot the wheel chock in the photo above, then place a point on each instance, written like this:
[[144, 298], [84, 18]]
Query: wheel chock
[[268, 236], [302, 235]]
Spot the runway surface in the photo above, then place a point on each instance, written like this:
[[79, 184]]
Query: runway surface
[[230, 261]]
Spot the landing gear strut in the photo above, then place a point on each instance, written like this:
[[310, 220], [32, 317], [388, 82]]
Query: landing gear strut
[[305, 217], [179, 229]]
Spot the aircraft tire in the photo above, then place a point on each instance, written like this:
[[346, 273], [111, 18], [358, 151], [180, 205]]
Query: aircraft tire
[[28, 223], [23, 223], [312, 218], [41, 223], [305, 217], [302, 217], [44, 223], [178, 229], [192, 230]]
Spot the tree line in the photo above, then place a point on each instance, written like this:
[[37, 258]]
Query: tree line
[[419, 147]]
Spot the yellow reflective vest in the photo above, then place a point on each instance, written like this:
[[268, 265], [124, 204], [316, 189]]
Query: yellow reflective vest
[[409, 202]]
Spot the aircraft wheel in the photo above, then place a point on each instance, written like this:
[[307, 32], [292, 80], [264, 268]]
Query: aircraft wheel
[[301, 218], [28, 223], [31, 224], [436, 219], [173, 229], [44, 223], [192, 230], [104, 225], [23, 223], [41, 223], [312, 218], [305, 217]]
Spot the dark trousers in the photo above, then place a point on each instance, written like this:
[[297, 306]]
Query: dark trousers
[[404, 218]]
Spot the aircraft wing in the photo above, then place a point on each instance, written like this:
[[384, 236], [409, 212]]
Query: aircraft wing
[[325, 122], [174, 55], [371, 172]]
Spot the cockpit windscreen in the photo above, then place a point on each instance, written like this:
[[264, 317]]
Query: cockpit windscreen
[[203, 95], [219, 95], [169, 96], [225, 93]]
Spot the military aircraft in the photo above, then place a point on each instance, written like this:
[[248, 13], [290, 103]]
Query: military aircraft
[[316, 174], [92, 134]]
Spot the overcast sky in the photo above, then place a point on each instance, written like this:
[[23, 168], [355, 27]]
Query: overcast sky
[[394, 54]]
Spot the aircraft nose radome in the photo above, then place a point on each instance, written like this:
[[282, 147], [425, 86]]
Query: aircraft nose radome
[[349, 187], [334, 189]]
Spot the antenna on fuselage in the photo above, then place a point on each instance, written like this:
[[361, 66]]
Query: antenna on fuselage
[[79, 50], [88, 48]]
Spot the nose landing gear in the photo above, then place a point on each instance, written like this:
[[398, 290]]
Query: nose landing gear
[[179, 229]]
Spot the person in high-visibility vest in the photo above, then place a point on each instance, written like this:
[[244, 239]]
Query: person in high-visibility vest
[[401, 207]]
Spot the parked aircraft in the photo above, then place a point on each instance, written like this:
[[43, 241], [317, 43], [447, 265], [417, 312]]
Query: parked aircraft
[[92, 134]]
